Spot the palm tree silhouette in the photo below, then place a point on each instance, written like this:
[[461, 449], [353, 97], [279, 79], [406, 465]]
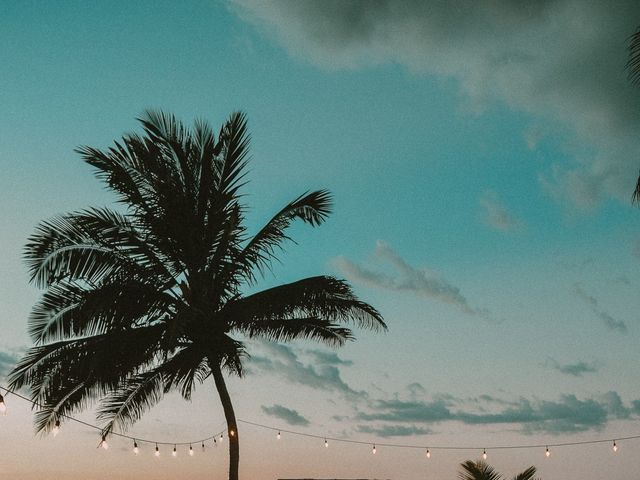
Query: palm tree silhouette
[[481, 470], [149, 298]]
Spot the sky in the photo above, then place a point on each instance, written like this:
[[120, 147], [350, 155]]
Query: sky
[[481, 156]]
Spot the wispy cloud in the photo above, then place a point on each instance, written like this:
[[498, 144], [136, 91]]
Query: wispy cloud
[[319, 372], [572, 77], [496, 214], [567, 415], [610, 322], [574, 369], [292, 417], [406, 278]]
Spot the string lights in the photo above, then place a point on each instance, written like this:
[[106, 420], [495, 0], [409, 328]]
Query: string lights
[[428, 450]]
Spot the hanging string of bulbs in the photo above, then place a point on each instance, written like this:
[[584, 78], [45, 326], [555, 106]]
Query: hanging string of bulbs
[[219, 437]]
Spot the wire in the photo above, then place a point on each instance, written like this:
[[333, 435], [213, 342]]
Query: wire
[[121, 435], [429, 447], [443, 447]]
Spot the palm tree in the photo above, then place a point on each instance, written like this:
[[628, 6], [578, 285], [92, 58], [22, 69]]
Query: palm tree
[[149, 298], [481, 470]]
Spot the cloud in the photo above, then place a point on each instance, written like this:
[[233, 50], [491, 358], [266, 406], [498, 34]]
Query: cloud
[[406, 278], [394, 430], [321, 374], [610, 322], [328, 358], [407, 411], [567, 415], [496, 214], [292, 417], [8, 359], [560, 61], [575, 369]]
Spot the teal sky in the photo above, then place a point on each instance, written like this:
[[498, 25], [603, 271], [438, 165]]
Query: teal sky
[[482, 160]]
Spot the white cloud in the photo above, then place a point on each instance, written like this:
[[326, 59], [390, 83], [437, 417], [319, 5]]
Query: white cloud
[[561, 61]]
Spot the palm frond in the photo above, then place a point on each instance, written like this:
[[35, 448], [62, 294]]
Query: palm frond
[[312, 208], [108, 357], [528, 474], [478, 470], [88, 245], [225, 352], [234, 148], [68, 310], [126, 405], [284, 330], [633, 64], [635, 197], [320, 297]]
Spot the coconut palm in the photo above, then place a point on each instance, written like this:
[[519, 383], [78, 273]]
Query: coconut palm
[[481, 470], [150, 298]]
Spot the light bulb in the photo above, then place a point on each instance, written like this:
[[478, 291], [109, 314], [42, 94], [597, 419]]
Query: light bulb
[[3, 406], [326, 444], [136, 450], [214, 441], [278, 436], [374, 449], [104, 443], [615, 447], [428, 453], [221, 437], [547, 452], [190, 450], [231, 433], [175, 452], [157, 451], [56, 429], [484, 454]]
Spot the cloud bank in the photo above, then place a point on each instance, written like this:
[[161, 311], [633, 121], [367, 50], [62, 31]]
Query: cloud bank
[[568, 414], [560, 61]]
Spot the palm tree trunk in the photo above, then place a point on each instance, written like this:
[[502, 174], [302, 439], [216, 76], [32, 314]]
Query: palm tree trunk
[[230, 416]]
